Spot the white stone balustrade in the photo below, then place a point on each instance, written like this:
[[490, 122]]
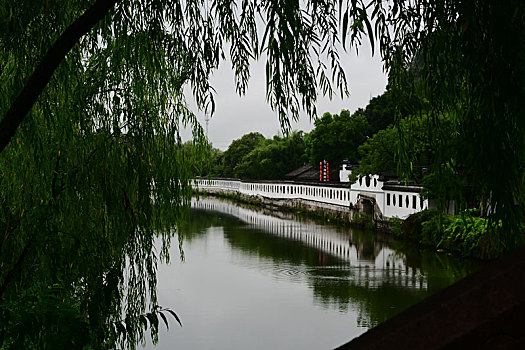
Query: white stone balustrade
[[393, 201]]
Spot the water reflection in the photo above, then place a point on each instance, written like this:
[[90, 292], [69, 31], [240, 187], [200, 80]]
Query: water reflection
[[346, 269], [260, 279]]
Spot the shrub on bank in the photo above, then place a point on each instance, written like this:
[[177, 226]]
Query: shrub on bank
[[363, 220], [412, 227], [465, 234]]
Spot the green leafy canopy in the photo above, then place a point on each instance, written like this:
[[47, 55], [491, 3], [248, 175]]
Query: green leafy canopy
[[93, 172]]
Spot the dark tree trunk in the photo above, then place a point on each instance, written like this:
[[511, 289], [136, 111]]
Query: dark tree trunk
[[47, 66]]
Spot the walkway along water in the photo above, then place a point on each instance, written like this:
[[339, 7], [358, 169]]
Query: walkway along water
[[367, 195]]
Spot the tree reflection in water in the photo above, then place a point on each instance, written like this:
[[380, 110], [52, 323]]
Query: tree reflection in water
[[345, 268]]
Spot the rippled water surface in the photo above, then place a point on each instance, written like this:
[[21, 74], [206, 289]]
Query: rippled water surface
[[256, 279]]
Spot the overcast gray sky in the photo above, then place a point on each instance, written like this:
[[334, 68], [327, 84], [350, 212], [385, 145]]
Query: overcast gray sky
[[235, 116]]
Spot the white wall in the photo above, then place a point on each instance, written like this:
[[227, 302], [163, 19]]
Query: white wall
[[370, 188], [401, 204], [281, 190], [344, 173], [410, 203]]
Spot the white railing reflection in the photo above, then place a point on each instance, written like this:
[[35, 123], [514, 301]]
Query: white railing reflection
[[372, 263]]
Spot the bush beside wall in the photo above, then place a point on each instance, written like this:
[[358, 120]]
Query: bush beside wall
[[464, 234]]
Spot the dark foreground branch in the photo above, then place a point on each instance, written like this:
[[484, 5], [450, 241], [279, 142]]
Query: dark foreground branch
[[14, 269], [45, 69]]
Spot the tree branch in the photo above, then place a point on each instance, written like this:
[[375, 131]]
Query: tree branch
[[55, 177], [8, 231], [13, 270], [45, 69]]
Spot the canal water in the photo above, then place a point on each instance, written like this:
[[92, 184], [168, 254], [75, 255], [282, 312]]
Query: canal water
[[259, 279]]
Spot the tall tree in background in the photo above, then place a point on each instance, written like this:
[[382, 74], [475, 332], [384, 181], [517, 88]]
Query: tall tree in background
[[271, 159], [237, 150], [336, 137], [381, 112], [215, 163], [379, 153]]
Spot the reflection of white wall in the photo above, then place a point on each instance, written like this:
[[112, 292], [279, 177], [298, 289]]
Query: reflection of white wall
[[394, 201], [388, 266]]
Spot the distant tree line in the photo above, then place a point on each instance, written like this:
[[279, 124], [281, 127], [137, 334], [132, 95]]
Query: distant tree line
[[255, 157], [380, 138], [334, 138]]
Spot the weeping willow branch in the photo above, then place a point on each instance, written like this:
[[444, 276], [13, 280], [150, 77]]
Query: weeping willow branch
[[45, 69], [15, 268]]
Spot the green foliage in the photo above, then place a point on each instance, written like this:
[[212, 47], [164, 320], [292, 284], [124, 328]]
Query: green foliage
[[200, 155], [50, 319], [336, 137], [378, 153], [237, 150], [254, 157], [368, 131], [92, 178], [413, 227], [472, 236], [215, 164], [381, 151], [381, 112], [465, 60], [363, 220], [71, 235], [465, 234], [443, 185], [273, 158], [96, 170], [395, 224]]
